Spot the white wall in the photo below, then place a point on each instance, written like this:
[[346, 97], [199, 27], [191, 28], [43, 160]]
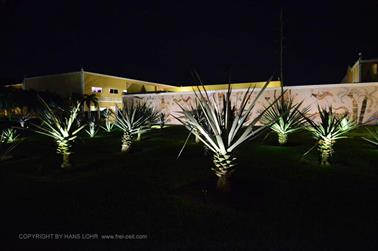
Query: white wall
[[356, 99]]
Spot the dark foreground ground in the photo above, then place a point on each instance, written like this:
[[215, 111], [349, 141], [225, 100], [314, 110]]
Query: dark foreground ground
[[280, 199]]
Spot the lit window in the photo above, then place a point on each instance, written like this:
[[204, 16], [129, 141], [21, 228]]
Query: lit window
[[124, 92], [375, 69], [96, 89], [113, 91]]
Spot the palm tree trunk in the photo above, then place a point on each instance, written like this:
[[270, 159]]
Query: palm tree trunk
[[89, 111], [66, 161], [282, 138], [224, 167], [223, 184], [82, 109], [64, 149], [326, 150], [126, 141]]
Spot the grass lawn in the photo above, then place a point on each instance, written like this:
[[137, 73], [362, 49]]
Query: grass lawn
[[280, 199]]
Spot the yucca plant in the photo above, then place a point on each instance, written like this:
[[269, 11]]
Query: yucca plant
[[288, 117], [109, 118], [227, 128], [134, 119], [6, 148], [373, 139], [9, 135], [328, 130], [23, 119], [199, 116], [92, 129], [59, 125]]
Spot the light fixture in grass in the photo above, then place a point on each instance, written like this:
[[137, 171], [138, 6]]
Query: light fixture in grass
[[135, 118], [226, 127], [92, 129], [373, 139], [9, 135], [287, 116], [328, 130], [60, 126]]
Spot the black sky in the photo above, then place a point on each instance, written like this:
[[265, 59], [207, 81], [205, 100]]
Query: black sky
[[163, 41]]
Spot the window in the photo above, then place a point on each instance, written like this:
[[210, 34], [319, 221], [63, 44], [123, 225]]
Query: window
[[113, 91], [375, 69], [124, 92], [96, 89]]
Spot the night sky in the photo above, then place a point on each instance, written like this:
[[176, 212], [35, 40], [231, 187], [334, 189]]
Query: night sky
[[164, 41]]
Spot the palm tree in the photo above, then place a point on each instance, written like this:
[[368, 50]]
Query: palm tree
[[88, 100], [134, 119], [288, 117], [330, 128], [6, 148], [109, 118], [92, 129], [9, 135], [24, 118], [227, 128], [60, 127]]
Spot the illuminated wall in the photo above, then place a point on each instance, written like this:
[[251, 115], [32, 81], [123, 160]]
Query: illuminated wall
[[110, 89], [359, 100], [63, 85], [113, 87]]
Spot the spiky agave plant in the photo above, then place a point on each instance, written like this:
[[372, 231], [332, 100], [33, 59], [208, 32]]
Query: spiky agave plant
[[109, 118], [373, 139], [328, 130], [199, 116], [60, 127], [6, 148], [288, 117], [227, 128], [92, 129], [134, 119], [9, 135], [23, 119]]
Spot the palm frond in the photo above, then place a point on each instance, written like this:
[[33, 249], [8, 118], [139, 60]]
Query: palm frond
[[286, 116], [59, 125], [373, 139], [328, 130], [9, 135], [135, 118], [226, 129]]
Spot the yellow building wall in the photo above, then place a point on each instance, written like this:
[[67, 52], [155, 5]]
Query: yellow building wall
[[105, 98], [63, 85], [217, 87], [81, 82], [106, 82]]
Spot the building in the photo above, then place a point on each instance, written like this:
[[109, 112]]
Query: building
[[110, 89], [363, 70]]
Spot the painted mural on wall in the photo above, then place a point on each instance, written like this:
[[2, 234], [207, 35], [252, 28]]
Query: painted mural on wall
[[360, 101]]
